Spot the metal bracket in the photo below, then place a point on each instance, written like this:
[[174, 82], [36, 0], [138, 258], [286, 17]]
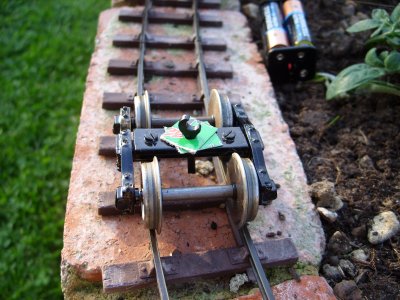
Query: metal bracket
[[267, 186], [125, 195]]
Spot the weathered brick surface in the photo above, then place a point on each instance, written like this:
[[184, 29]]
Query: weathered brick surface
[[92, 241], [309, 287]]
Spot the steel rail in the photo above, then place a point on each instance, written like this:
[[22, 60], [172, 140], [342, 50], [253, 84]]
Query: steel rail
[[256, 265], [162, 286], [202, 75], [142, 49]]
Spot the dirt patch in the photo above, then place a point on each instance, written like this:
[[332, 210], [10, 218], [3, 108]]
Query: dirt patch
[[354, 143]]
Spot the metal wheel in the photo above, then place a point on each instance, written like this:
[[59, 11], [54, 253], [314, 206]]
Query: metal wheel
[[152, 195], [242, 174], [142, 111], [220, 107]]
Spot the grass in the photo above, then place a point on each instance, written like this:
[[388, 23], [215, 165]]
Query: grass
[[44, 54]]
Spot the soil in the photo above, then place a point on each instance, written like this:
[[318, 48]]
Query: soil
[[353, 142]]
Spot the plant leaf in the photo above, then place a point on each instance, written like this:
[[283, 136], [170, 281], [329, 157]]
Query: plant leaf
[[380, 15], [363, 25], [392, 61], [394, 42], [395, 16], [351, 78], [372, 59], [383, 55]]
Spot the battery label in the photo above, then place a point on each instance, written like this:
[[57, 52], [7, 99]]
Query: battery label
[[275, 34], [296, 23]]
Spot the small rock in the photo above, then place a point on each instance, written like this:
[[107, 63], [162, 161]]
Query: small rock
[[339, 243], [384, 226], [347, 267], [360, 231], [349, 9], [359, 255], [333, 260], [237, 281], [204, 167], [347, 289], [332, 273], [328, 215], [366, 163], [325, 194], [251, 11]]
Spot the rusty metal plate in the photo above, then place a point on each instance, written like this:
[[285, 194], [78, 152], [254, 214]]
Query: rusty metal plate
[[169, 68], [157, 101], [123, 277], [129, 15], [168, 42], [188, 3]]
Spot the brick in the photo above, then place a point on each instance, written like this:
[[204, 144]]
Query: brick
[[309, 287], [92, 241]]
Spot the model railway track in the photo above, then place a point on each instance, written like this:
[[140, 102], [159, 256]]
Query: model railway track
[[239, 163]]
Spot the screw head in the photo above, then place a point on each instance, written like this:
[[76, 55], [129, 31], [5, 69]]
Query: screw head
[[280, 57], [301, 54], [303, 73]]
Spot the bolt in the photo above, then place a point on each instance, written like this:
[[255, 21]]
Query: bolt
[[150, 139], [126, 175], [280, 57], [303, 73], [228, 137]]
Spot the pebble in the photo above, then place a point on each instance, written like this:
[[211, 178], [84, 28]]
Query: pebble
[[333, 260], [339, 243], [332, 272], [204, 167], [237, 281], [359, 255], [366, 163], [251, 10], [360, 231], [384, 226], [347, 267], [325, 195], [328, 215], [347, 289]]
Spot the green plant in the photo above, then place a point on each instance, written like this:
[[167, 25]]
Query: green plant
[[380, 62]]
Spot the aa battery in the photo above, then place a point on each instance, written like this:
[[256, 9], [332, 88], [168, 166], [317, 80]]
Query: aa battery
[[296, 23], [275, 34]]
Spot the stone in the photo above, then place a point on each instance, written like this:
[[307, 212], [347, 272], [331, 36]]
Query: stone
[[347, 290], [349, 9], [92, 241], [359, 255], [237, 281], [384, 226], [333, 260], [339, 243], [360, 231], [324, 193], [251, 11], [347, 267], [328, 215], [366, 163], [332, 273], [204, 167], [308, 287]]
